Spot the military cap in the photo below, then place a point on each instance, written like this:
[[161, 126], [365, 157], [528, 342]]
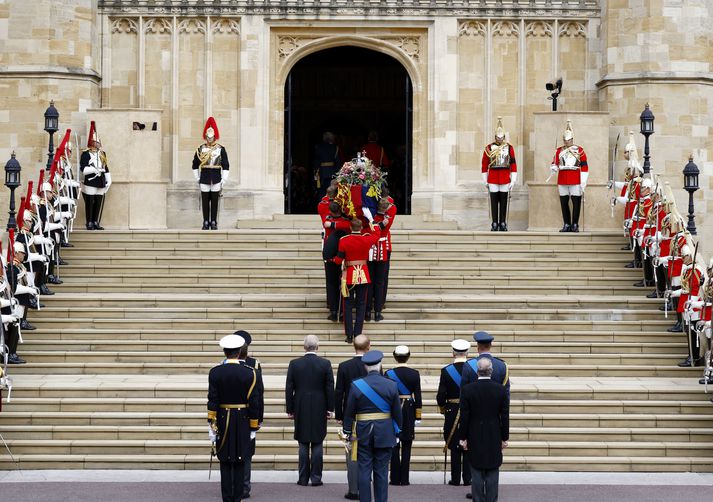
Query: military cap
[[372, 357], [232, 342], [460, 345], [483, 337], [246, 336], [401, 350]]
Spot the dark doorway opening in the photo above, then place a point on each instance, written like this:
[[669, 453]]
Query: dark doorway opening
[[349, 91]]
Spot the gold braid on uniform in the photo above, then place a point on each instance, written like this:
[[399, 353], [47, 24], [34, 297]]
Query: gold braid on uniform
[[494, 152]]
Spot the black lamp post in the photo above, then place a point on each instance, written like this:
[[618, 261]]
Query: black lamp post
[[12, 181], [51, 126], [647, 129], [690, 184]]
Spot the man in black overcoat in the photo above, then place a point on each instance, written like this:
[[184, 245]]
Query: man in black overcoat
[[484, 430], [309, 397]]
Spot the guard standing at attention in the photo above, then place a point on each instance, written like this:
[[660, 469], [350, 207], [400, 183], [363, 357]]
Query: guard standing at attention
[[372, 422], [233, 411]]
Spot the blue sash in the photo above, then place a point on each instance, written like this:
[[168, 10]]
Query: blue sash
[[403, 390], [453, 372], [376, 400]]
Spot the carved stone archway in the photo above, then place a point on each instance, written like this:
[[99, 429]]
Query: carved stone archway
[[407, 46]]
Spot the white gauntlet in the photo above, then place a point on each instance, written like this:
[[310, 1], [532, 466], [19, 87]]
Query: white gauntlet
[[196, 174]]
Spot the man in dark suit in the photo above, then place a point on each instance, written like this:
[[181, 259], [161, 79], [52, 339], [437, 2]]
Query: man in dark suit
[[253, 363], [372, 422], [484, 430], [347, 372], [448, 399], [232, 416], [309, 396], [408, 381]]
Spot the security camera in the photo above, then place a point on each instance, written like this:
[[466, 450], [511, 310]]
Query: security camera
[[555, 88], [554, 85]]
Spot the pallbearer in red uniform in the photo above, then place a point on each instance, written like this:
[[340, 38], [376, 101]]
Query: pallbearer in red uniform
[[334, 227], [210, 169], [499, 171], [378, 262], [353, 253], [570, 162]]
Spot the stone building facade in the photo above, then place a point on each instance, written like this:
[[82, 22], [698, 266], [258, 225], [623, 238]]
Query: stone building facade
[[175, 62]]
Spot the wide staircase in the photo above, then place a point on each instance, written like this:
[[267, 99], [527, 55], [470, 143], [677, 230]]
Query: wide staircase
[[117, 369]]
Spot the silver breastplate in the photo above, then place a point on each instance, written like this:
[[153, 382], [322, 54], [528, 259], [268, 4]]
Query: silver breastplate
[[209, 155]]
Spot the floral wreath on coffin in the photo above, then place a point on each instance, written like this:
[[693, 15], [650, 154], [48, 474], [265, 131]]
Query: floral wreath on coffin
[[359, 187]]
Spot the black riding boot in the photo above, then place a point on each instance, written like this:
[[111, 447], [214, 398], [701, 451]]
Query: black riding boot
[[98, 201], [494, 198], [503, 211], [89, 210], [576, 208], [205, 207], [214, 196], [566, 215]]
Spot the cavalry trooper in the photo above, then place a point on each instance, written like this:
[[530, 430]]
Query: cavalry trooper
[[638, 224], [372, 423], [499, 171], [253, 363], [674, 264], [8, 306], [97, 179], [233, 415], [448, 400], [692, 276], [210, 169], [628, 189], [408, 381], [570, 162], [501, 374], [705, 304]]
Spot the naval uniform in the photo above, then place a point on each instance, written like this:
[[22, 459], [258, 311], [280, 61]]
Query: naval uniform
[[260, 389], [448, 400], [233, 411], [372, 418], [501, 374], [408, 382]]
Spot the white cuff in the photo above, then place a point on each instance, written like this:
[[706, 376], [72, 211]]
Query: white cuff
[[225, 174], [513, 177], [367, 213], [196, 174], [485, 178]]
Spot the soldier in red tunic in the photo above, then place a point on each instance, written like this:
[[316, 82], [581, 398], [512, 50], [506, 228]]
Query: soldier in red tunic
[[334, 226], [691, 279], [378, 262], [639, 219], [570, 162], [353, 253], [499, 171]]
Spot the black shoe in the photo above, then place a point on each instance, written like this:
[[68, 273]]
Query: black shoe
[[575, 227], [52, 279], [702, 381], [15, 359], [66, 245], [698, 363], [631, 264], [90, 225], [466, 484], [97, 226], [206, 225], [453, 483], [367, 315], [44, 290], [303, 483], [349, 339], [503, 227], [33, 304], [393, 483], [378, 317], [62, 262], [494, 226], [686, 363], [626, 248], [24, 324], [639, 284], [318, 483], [332, 316], [653, 294], [405, 483], [214, 225], [676, 328], [351, 496], [469, 495], [566, 228]]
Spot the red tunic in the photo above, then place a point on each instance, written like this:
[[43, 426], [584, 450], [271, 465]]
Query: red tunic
[[645, 204], [392, 215], [354, 251], [571, 175], [380, 250], [694, 285], [498, 175], [376, 155]]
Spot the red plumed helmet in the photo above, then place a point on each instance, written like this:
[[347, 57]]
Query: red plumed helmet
[[210, 124], [21, 212], [61, 148], [39, 183], [29, 190], [10, 244], [92, 134]]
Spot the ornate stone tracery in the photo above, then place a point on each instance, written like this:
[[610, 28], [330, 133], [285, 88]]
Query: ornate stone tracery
[[472, 29], [192, 25], [573, 29], [158, 26], [506, 29], [538, 29], [226, 26], [124, 25]]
